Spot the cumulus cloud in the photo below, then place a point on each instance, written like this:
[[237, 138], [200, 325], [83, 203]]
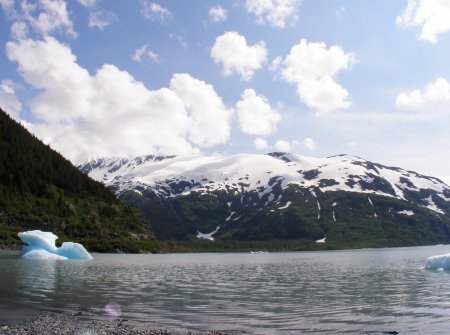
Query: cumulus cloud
[[432, 15], [143, 51], [155, 12], [217, 14], [110, 113], [48, 16], [434, 93], [260, 144], [231, 50], [209, 116], [307, 143], [313, 68], [283, 146], [276, 12], [44, 17], [8, 99], [101, 19], [255, 115]]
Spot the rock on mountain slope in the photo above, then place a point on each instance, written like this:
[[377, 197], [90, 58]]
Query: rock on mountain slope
[[284, 196]]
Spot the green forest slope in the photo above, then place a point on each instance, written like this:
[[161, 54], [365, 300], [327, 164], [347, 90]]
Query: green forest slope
[[40, 189]]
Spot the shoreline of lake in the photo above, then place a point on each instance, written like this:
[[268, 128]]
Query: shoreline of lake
[[53, 323]]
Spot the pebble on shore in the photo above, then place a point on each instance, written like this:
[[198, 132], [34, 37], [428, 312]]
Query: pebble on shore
[[55, 324]]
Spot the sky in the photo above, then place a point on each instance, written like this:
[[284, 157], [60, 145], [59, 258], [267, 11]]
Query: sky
[[217, 78]]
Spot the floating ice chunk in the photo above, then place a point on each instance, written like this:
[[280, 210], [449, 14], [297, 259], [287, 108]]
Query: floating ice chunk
[[73, 250], [35, 252], [37, 238], [438, 262], [42, 246]]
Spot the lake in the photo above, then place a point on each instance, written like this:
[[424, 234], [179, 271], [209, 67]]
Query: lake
[[325, 292]]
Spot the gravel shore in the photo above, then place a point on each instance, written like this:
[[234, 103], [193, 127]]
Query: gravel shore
[[55, 324]]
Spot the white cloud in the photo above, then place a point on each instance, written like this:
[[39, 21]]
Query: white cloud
[[255, 115], [48, 16], [434, 93], [139, 53], [217, 14], [260, 144], [8, 99], [155, 12], [432, 15], [276, 12], [101, 19], [312, 67], [88, 3], [19, 30], [8, 7], [283, 146], [275, 63], [307, 143], [110, 113], [231, 50], [210, 118]]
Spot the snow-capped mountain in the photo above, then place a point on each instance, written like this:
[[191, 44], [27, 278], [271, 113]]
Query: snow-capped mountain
[[282, 196], [172, 176]]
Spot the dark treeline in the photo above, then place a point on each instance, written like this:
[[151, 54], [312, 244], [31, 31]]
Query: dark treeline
[[28, 166], [40, 189]]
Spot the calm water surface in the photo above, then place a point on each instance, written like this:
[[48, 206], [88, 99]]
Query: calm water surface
[[331, 292]]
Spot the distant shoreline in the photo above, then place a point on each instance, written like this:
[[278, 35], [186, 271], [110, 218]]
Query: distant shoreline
[[10, 247]]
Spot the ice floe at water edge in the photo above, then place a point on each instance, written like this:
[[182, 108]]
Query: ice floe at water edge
[[439, 262], [42, 246]]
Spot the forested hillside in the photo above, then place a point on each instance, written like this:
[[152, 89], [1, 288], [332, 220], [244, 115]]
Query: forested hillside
[[40, 189]]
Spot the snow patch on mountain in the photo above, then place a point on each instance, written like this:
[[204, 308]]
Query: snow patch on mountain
[[406, 212]]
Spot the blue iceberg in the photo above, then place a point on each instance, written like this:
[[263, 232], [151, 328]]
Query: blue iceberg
[[42, 246], [439, 262]]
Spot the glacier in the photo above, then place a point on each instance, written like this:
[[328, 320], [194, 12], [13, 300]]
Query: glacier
[[42, 246], [438, 262]]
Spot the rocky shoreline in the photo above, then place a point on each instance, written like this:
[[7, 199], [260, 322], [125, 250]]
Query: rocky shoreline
[[49, 323]]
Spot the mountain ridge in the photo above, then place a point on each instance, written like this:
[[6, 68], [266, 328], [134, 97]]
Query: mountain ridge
[[178, 175], [284, 196]]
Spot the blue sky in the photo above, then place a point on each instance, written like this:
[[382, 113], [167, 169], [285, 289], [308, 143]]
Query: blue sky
[[316, 78]]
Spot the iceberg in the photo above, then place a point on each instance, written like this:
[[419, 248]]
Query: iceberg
[[42, 246], [439, 262]]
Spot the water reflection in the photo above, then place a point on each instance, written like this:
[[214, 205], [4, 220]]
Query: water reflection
[[323, 292]]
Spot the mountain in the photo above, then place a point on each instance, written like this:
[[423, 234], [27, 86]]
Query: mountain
[[40, 189], [341, 200]]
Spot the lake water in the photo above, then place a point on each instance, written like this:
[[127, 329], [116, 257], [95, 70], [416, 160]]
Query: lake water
[[328, 292]]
